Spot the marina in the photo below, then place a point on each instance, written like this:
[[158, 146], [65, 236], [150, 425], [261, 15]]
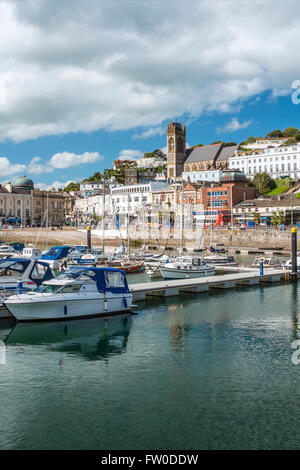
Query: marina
[[206, 372]]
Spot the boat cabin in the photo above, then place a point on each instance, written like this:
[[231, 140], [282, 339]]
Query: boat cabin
[[32, 272], [87, 279]]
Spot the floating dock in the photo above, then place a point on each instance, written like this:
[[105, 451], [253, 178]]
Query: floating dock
[[244, 277]]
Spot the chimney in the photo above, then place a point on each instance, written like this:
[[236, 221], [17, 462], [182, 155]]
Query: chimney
[[9, 187]]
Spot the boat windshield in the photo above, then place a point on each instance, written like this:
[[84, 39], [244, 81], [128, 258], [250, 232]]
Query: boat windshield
[[48, 289], [75, 275], [53, 289], [7, 268]]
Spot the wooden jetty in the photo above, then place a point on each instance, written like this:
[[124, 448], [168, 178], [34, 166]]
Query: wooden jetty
[[249, 277]]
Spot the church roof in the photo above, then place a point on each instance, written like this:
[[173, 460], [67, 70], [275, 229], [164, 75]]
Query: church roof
[[227, 152], [205, 153]]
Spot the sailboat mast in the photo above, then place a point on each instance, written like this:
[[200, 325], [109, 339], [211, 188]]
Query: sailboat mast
[[181, 222], [47, 220], [128, 223], [103, 214]]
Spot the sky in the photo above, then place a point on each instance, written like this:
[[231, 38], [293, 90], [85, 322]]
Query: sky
[[83, 82]]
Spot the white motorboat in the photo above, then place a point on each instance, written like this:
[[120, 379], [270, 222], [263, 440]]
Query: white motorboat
[[218, 260], [268, 262], [18, 274], [7, 251], [157, 260], [288, 263], [153, 272], [78, 293], [56, 255], [31, 253], [186, 267]]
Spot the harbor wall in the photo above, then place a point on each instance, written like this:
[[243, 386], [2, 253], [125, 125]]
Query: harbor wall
[[192, 238]]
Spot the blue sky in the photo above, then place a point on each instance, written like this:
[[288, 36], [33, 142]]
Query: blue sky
[[84, 82]]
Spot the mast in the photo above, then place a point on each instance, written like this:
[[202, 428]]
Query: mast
[[47, 220], [128, 223], [21, 213], [144, 223], [231, 208], [103, 214], [181, 222]]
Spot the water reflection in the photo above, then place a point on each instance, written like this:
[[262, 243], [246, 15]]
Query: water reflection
[[294, 310], [93, 339]]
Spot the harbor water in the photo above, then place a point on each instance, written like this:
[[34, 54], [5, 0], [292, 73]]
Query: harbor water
[[207, 371]]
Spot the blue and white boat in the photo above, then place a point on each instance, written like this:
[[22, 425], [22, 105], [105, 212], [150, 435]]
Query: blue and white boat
[[56, 254], [17, 274], [77, 293]]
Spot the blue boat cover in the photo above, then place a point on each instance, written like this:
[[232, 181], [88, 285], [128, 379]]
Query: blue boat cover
[[57, 252], [107, 279], [21, 264]]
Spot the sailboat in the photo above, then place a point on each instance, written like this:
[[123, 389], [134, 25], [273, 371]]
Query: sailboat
[[185, 267]]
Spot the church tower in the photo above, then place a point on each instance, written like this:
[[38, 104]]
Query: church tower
[[176, 149]]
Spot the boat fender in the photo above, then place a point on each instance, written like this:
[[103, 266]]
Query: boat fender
[[105, 302], [20, 287], [65, 310], [125, 302]]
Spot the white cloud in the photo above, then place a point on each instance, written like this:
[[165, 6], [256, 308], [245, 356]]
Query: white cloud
[[233, 125], [152, 131], [81, 66], [62, 160], [128, 154], [7, 168], [66, 159], [55, 185]]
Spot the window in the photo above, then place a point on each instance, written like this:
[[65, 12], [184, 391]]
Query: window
[[70, 289], [114, 279], [38, 271]]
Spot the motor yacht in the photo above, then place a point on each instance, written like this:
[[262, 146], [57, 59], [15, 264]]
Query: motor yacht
[[218, 260], [77, 293], [185, 267], [268, 262], [17, 274], [7, 251]]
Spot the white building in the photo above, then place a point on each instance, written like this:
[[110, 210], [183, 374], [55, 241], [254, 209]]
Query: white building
[[122, 199], [91, 186], [151, 162], [276, 161], [131, 198], [265, 143], [199, 176]]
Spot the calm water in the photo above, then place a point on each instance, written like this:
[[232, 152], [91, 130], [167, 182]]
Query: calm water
[[206, 372]]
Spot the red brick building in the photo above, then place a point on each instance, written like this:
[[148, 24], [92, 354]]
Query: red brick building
[[218, 197]]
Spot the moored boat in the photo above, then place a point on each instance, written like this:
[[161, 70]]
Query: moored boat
[[186, 267], [267, 261], [20, 274], [78, 293], [55, 255], [218, 260]]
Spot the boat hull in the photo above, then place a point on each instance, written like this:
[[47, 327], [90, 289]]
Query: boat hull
[[171, 273], [65, 309]]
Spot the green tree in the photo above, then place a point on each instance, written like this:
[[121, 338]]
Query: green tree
[[281, 216], [72, 187], [290, 132], [158, 153], [256, 217], [274, 218], [276, 133], [263, 183]]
